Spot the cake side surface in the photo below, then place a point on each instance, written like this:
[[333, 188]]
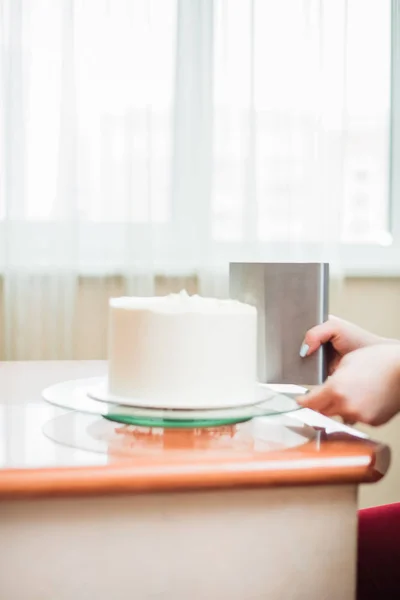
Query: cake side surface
[[182, 349]]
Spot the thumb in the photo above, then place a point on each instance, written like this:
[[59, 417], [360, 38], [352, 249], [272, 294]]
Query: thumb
[[318, 335], [319, 399]]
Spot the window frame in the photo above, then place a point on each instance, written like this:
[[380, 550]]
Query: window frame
[[394, 178]]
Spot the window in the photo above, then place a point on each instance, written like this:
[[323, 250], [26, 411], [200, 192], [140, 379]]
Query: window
[[134, 132], [320, 96]]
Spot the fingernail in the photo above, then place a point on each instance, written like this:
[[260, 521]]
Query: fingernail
[[304, 350]]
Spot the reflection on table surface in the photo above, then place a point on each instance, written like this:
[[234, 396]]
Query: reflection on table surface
[[39, 435], [260, 435], [24, 445]]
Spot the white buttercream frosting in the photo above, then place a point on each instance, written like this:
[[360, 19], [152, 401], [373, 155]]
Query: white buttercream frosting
[[181, 302], [183, 351]]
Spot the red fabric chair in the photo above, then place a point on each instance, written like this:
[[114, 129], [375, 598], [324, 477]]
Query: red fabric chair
[[378, 574]]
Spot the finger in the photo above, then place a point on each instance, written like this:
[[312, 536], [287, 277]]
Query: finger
[[319, 399], [336, 409], [318, 335], [328, 402], [328, 405], [331, 410]]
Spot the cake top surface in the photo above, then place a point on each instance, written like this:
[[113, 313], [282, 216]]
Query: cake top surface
[[182, 302]]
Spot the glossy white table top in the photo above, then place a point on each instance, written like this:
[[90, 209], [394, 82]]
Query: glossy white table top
[[47, 450]]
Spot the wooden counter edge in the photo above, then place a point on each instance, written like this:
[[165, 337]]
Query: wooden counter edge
[[362, 463]]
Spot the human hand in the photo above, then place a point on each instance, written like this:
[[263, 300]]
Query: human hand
[[364, 388], [343, 337]]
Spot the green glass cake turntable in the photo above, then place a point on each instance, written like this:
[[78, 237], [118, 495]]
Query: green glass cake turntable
[[80, 395]]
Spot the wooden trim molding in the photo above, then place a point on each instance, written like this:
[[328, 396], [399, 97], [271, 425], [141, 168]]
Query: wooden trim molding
[[336, 458]]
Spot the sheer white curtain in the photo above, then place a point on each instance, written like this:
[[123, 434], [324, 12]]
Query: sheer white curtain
[[168, 137]]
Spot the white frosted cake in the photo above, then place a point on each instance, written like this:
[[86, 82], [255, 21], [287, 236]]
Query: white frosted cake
[[182, 351]]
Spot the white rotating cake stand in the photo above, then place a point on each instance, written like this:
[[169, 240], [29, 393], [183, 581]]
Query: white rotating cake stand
[[78, 395]]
